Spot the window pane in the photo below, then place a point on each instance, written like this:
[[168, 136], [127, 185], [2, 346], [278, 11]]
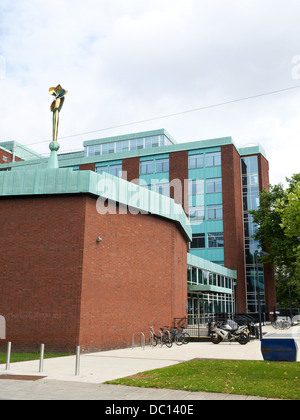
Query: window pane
[[162, 165], [215, 240], [198, 240], [102, 169]]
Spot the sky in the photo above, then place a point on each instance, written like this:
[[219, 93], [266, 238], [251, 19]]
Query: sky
[[124, 62]]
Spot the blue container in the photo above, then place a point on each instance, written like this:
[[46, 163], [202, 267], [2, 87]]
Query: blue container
[[279, 349]]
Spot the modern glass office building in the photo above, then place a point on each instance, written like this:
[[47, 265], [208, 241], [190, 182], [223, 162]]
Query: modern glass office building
[[217, 184]]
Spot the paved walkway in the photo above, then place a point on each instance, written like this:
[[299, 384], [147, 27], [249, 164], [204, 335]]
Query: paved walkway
[[60, 381]]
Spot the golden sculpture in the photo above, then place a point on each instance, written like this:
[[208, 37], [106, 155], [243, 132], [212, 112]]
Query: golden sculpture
[[56, 106]]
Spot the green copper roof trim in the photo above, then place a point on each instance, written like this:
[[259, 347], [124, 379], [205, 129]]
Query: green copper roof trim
[[67, 181], [208, 288], [159, 132], [252, 150], [203, 264]]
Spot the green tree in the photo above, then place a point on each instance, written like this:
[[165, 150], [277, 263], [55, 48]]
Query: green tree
[[278, 231]]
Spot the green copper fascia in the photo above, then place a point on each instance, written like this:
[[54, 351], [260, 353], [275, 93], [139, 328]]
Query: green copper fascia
[[159, 132], [67, 181], [252, 150], [208, 288], [203, 264]]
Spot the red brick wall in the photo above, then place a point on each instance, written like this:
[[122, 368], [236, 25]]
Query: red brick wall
[[179, 173], [62, 288], [41, 245], [131, 279], [87, 167], [131, 169], [233, 220]]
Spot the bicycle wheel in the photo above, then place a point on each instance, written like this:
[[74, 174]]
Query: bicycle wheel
[[167, 341], [179, 339], [186, 338]]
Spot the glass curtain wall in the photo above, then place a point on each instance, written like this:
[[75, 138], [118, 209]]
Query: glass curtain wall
[[250, 187]]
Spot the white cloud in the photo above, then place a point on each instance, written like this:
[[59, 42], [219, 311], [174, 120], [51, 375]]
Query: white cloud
[[134, 60]]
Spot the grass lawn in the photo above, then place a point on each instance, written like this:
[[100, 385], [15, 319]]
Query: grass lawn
[[22, 357], [257, 378]]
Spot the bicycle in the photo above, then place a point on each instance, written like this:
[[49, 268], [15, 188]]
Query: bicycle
[[281, 324], [178, 336], [163, 338]]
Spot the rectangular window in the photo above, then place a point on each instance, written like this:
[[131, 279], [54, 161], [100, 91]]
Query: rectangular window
[[213, 159], [163, 189], [139, 144], [162, 165], [215, 240], [214, 212], [98, 150], [116, 170], [91, 150], [102, 169], [196, 161], [214, 185], [104, 149], [197, 213], [146, 167], [196, 186], [198, 241], [122, 146]]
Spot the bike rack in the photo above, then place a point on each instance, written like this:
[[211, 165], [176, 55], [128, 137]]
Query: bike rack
[[143, 341]]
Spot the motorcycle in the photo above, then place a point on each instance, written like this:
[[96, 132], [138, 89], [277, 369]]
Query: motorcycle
[[230, 331]]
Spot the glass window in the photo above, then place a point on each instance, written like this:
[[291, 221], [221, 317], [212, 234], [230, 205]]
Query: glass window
[[196, 161], [98, 150], [163, 189], [215, 240], [213, 159], [146, 167], [104, 149], [102, 169], [194, 275], [162, 165], [133, 144], [122, 146], [214, 185], [116, 170], [139, 144], [197, 213], [198, 240], [214, 212], [196, 186], [91, 150], [155, 141], [111, 147]]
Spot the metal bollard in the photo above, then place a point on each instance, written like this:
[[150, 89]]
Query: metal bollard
[[8, 355], [42, 358], [77, 367]]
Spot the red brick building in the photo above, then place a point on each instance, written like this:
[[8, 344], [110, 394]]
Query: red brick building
[[62, 287]]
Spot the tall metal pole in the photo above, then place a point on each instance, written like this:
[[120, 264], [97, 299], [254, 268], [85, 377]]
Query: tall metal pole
[[258, 295]]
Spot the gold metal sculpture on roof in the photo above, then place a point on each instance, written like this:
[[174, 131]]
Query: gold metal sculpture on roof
[[56, 107]]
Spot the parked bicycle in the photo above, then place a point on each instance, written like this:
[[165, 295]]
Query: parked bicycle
[[178, 336], [281, 324], [163, 337]]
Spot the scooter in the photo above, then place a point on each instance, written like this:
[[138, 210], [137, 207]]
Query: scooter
[[229, 332]]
